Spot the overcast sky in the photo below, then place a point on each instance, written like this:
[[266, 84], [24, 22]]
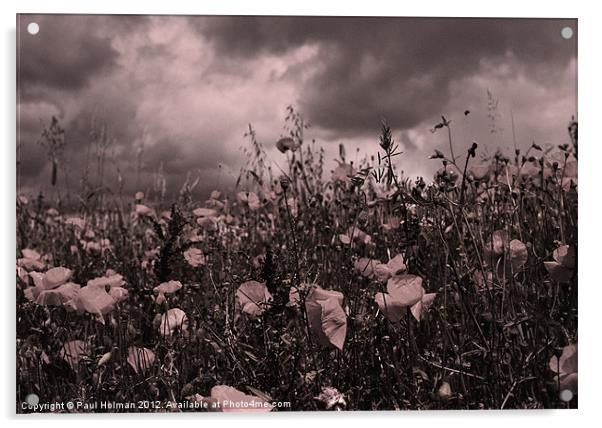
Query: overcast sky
[[187, 87]]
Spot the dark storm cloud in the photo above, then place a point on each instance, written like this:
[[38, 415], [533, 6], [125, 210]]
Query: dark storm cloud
[[375, 67], [66, 53], [189, 86]]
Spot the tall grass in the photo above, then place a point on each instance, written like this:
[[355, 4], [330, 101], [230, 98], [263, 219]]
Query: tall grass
[[486, 341]]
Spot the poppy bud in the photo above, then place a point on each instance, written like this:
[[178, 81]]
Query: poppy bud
[[284, 182], [558, 351]]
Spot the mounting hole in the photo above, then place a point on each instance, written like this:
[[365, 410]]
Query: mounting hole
[[566, 395], [32, 399], [33, 28], [566, 33]]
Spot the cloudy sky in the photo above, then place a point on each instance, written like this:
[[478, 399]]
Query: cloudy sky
[[182, 90]]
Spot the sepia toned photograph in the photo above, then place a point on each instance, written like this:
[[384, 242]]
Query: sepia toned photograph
[[295, 213]]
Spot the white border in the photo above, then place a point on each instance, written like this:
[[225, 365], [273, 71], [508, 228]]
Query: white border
[[590, 163]]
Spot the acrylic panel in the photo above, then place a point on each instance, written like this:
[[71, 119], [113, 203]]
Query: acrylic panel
[[295, 213]]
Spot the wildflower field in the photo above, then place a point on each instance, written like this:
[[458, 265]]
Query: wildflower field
[[355, 288]]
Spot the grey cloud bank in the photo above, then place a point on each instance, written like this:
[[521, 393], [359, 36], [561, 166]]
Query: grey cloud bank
[[182, 90]]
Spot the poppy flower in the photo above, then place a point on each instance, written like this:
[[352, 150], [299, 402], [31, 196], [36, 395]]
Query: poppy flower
[[93, 300], [98, 246], [343, 173], [365, 266], [76, 221], [355, 234], [208, 223], [172, 321], [229, 399], [143, 211], [565, 368], [403, 291], [505, 256], [448, 174], [205, 212], [392, 223], [383, 194], [140, 359], [395, 266], [530, 170], [325, 314], [249, 199], [100, 296], [258, 261], [111, 279], [169, 287], [285, 144], [563, 266], [49, 280], [562, 164], [506, 173], [331, 398], [480, 171], [423, 305], [58, 296], [253, 297], [31, 260]]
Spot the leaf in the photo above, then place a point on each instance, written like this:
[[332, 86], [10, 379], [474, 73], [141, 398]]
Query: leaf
[[140, 359]]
